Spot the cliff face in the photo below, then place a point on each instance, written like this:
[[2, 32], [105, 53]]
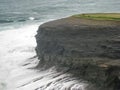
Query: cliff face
[[89, 48]]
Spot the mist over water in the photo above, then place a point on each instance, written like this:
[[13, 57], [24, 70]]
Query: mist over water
[[19, 21]]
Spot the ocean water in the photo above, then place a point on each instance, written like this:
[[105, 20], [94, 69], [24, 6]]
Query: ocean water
[[19, 21]]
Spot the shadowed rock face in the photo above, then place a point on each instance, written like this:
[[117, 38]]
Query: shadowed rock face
[[89, 48]]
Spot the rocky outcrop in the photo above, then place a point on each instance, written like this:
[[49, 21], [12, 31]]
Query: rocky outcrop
[[89, 48]]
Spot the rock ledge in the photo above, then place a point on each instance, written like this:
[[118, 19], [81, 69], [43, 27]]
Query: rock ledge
[[89, 48]]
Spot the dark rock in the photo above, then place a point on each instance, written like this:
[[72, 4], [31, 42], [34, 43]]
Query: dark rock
[[89, 48]]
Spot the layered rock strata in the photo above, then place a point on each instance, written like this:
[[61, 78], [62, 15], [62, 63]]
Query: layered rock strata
[[89, 48]]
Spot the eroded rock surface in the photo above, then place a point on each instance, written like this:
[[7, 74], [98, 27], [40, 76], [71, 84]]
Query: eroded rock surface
[[89, 48]]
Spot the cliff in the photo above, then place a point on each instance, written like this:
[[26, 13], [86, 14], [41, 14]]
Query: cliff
[[88, 46]]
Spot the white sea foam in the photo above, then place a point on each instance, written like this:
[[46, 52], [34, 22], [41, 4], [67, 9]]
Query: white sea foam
[[17, 47], [31, 18]]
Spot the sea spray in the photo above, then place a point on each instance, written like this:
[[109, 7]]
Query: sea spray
[[18, 62]]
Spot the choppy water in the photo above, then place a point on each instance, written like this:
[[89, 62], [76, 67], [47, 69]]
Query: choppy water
[[19, 21]]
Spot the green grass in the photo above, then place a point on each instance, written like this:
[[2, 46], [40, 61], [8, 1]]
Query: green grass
[[100, 16]]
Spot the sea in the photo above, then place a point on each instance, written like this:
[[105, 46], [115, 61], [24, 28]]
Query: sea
[[19, 22]]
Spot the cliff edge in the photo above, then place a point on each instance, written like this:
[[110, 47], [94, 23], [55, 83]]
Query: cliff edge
[[88, 44]]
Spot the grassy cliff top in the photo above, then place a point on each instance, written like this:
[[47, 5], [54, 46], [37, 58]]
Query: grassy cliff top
[[100, 16]]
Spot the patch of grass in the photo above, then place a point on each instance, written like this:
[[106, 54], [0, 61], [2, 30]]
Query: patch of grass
[[100, 16]]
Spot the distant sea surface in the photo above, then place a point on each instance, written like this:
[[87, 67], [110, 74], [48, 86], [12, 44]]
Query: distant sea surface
[[17, 11], [19, 21]]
